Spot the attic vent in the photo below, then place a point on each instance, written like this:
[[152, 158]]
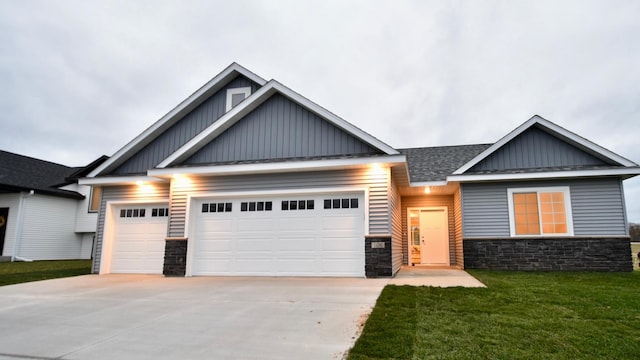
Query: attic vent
[[236, 95]]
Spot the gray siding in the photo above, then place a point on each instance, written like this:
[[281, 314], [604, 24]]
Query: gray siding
[[428, 201], [279, 129], [122, 193], [596, 204], [535, 148], [396, 228], [185, 129], [377, 183]]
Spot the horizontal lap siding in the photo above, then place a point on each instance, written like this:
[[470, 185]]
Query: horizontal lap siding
[[48, 231], [377, 183], [457, 218], [428, 201], [154, 192], [396, 228], [596, 204]]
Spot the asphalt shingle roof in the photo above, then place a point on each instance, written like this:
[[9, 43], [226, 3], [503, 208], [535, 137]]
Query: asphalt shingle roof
[[436, 163], [23, 173]]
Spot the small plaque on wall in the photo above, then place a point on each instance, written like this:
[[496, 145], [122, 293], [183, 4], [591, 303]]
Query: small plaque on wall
[[377, 245]]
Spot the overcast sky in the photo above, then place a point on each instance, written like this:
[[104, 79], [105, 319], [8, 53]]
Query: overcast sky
[[79, 79]]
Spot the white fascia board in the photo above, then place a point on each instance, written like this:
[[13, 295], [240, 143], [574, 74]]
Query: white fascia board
[[562, 132], [185, 106], [253, 101], [545, 175], [117, 180], [428, 183], [280, 167]]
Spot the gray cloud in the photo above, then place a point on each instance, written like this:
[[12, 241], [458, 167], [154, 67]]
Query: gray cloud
[[81, 78]]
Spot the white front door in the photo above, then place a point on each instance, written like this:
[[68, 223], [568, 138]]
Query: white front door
[[434, 236]]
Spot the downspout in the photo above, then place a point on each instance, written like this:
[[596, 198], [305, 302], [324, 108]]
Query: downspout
[[19, 227]]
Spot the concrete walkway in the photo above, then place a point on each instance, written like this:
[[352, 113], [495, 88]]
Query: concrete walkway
[[425, 276]]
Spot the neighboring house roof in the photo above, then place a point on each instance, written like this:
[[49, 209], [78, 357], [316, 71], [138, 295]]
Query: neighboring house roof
[[430, 164], [23, 173]]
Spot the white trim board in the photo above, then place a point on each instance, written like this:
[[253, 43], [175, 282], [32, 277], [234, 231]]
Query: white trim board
[[545, 175], [288, 166]]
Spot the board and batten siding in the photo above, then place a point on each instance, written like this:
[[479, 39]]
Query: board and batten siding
[[395, 203], [184, 130], [377, 181], [535, 148], [132, 193], [279, 129], [597, 205], [423, 202]]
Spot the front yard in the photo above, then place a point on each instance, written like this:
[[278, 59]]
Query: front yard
[[20, 272], [518, 316]]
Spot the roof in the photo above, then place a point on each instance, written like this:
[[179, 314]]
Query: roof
[[23, 173], [436, 163]]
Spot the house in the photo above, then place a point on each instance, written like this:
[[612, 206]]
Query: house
[[44, 213], [248, 177]]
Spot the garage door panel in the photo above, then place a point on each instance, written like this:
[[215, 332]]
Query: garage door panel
[[290, 242], [138, 240]]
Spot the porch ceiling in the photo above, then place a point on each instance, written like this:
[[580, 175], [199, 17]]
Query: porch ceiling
[[448, 189]]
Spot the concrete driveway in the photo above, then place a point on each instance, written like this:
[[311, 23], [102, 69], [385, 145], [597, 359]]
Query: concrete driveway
[[152, 317]]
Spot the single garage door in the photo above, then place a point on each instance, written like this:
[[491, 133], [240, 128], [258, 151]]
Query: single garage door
[[301, 235], [139, 238]]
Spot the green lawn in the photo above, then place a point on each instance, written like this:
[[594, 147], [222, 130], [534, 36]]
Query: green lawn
[[20, 272], [519, 316]]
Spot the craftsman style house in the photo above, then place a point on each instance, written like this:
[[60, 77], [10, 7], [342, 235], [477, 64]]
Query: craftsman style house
[[247, 177]]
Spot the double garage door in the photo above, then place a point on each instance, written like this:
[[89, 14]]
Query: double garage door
[[274, 235]]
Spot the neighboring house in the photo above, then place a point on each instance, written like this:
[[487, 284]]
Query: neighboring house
[[247, 177], [44, 213]]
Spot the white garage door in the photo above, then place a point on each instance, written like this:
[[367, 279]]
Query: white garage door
[[301, 235], [139, 238]]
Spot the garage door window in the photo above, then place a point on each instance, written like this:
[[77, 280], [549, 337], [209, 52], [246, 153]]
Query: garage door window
[[256, 206], [341, 203], [216, 207], [132, 213], [298, 205], [159, 212]]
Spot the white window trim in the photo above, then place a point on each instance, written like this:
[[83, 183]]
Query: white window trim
[[538, 190], [230, 92]]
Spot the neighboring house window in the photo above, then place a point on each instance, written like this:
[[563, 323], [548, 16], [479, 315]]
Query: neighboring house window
[[94, 199], [540, 211], [235, 96]]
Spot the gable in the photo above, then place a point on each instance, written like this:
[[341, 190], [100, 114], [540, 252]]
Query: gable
[[184, 130], [279, 129], [535, 148]]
